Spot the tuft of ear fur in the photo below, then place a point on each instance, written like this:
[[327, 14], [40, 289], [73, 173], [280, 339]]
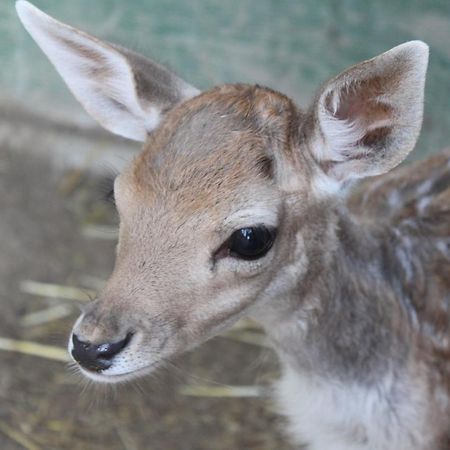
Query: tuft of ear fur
[[367, 119], [125, 92]]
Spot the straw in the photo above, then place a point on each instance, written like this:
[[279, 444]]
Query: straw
[[17, 437], [46, 315], [34, 349], [222, 391], [55, 291]]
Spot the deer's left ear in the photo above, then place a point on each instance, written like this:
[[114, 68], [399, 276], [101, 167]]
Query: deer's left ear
[[367, 119]]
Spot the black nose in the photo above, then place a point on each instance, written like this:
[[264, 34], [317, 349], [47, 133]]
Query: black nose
[[97, 357]]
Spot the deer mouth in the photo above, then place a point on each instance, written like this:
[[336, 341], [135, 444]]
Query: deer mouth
[[123, 366]]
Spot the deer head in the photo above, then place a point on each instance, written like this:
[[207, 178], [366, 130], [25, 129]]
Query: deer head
[[225, 209]]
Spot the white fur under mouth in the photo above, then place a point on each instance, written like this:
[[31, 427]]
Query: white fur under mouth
[[103, 377]]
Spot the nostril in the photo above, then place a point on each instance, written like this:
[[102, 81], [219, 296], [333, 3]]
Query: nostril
[[80, 346], [97, 357], [109, 350], [85, 354]]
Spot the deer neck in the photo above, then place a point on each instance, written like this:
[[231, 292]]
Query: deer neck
[[339, 318]]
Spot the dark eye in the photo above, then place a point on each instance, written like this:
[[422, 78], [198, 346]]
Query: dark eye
[[250, 243]]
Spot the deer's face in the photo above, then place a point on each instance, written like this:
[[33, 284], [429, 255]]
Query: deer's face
[[225, 207], [201, 212]]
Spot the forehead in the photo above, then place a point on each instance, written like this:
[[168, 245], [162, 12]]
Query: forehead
[[212, 147]]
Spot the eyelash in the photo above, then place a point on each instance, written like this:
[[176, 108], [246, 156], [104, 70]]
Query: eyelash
[[106, 189], [109, 197]]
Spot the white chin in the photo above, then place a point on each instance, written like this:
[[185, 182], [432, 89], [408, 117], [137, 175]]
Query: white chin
[[105, 377]]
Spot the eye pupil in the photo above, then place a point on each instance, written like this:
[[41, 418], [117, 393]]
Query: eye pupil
[[251, 243]]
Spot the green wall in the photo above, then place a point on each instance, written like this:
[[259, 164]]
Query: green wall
[[290, 45]]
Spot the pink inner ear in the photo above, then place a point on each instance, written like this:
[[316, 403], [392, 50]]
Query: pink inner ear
[[361, 103]]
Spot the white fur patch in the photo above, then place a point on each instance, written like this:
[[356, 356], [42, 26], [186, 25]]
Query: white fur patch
[[341, 136], [329, 415], [423, 203]]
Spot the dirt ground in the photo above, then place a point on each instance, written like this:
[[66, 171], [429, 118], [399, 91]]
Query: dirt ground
[[44, 213]]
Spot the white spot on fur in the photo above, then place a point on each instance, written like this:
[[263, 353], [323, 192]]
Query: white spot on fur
[[444, 247], [405, 261], [394, 199], [424, 187], [404, 252], [423, 203]]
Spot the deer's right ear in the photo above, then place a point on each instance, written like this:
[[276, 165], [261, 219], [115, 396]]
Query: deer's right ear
[[126, 93], [366, 120]]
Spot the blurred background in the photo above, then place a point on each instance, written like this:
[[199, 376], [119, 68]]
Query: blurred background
[[57, 234]]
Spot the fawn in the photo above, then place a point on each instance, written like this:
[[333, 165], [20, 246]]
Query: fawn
[[240, 204]]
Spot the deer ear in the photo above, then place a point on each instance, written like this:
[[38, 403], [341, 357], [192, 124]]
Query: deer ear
[[367, 119], [126, 93]]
